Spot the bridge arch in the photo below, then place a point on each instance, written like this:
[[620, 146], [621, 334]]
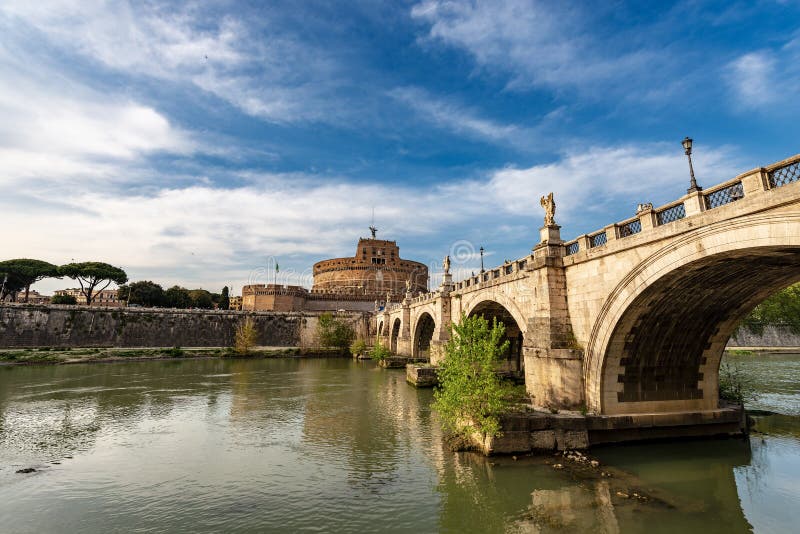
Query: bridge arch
[[515, 327], [658, 340], [395, 334], [423, 335]]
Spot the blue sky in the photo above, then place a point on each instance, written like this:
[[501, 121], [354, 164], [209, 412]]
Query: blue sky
[[195, 142]]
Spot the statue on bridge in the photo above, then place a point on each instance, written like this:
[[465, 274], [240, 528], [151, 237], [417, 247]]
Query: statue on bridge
[[446, 264], [549, 206]]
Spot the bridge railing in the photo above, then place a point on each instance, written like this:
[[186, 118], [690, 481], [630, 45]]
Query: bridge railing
[[722, 194], [507, 269], [670, 213], [783, 172], [763, 179]]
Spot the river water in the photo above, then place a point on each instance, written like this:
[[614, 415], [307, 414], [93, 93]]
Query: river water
[[342, 446]]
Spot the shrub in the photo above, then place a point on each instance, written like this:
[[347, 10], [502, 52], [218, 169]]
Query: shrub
[[471, 396], [175, 352], [379, 352], [246, 336], [358, 347], [735, 385], [63, 299], [334, 332]]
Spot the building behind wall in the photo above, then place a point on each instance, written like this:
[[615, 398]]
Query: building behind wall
[[105, 297], [359, 283]]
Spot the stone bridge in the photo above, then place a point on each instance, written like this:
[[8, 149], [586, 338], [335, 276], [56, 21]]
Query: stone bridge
[[633, 318]]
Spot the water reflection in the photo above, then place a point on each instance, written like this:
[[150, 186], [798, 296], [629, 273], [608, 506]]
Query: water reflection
[[307, 444]]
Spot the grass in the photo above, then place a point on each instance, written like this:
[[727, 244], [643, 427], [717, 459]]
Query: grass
[[65, 355], [740, 352]]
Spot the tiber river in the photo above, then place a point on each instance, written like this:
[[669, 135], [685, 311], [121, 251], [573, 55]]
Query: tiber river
[[341, 446]]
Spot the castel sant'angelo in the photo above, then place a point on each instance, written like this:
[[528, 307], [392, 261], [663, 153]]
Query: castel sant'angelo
[[375, 274]]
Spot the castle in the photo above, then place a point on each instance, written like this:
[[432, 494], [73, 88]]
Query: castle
[[374, 275]]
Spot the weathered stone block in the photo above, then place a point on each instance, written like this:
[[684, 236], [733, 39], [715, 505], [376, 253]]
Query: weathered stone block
[[543, 440], [572, 439], [421, 376]]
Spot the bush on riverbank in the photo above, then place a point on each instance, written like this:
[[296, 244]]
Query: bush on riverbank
[[471, 397], [334, 332], [246, 336], [358, 347], [735, 385], [379, 352]]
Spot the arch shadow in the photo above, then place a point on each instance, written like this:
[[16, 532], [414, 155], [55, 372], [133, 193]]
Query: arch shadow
[[491, 310], [423, 334], [394, 335], [659, 339]]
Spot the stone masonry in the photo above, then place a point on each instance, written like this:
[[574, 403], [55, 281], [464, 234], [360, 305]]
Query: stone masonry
[[632, 318]]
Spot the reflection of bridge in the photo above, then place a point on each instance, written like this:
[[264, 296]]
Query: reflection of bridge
[[633, 318]]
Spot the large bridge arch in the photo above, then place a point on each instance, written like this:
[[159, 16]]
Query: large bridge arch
[[657, 342], [423, 335], [471, 301], [514, 327], [395, 333]]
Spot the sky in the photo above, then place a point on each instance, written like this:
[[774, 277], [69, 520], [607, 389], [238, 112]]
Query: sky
[[199, 143]]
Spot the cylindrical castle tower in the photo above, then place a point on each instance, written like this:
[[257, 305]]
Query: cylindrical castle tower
[[375, 270]]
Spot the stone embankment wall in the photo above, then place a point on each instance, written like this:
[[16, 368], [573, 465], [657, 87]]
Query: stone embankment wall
[[80, 326], [771, 336]]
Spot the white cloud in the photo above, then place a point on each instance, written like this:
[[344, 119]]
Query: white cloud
[[276, 77], [54, 130], [202, 235], [451, 116], [767, 78], [538, 45], [751, 77]]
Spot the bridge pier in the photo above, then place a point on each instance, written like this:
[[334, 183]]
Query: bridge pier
[[632, 319], [553, 359]]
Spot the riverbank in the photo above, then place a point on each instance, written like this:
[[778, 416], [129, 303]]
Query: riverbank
[[62, 356]]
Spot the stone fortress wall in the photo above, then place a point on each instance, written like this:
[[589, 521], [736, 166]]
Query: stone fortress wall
[[24, 326], [296, 298]]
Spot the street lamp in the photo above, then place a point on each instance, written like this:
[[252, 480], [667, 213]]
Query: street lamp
[[687, 148], [482, 269]]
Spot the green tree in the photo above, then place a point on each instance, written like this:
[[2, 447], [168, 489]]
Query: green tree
[[358, 347], [782, 308], [334, 332], [246, 336], [92, 274], [63, 299], [224, 299], [200, 298], [10, 285], [177, 297], [21, 273], [144, 293], [379, 352], [471, 396]]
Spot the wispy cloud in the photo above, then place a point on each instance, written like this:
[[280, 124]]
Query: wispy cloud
[[277, 78], [751, 77], [449, 115], [767, 77], [65, 129], [535, 44], [213, 236]]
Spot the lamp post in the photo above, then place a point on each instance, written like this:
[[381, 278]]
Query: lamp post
[[482, 270], [687, 148]]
